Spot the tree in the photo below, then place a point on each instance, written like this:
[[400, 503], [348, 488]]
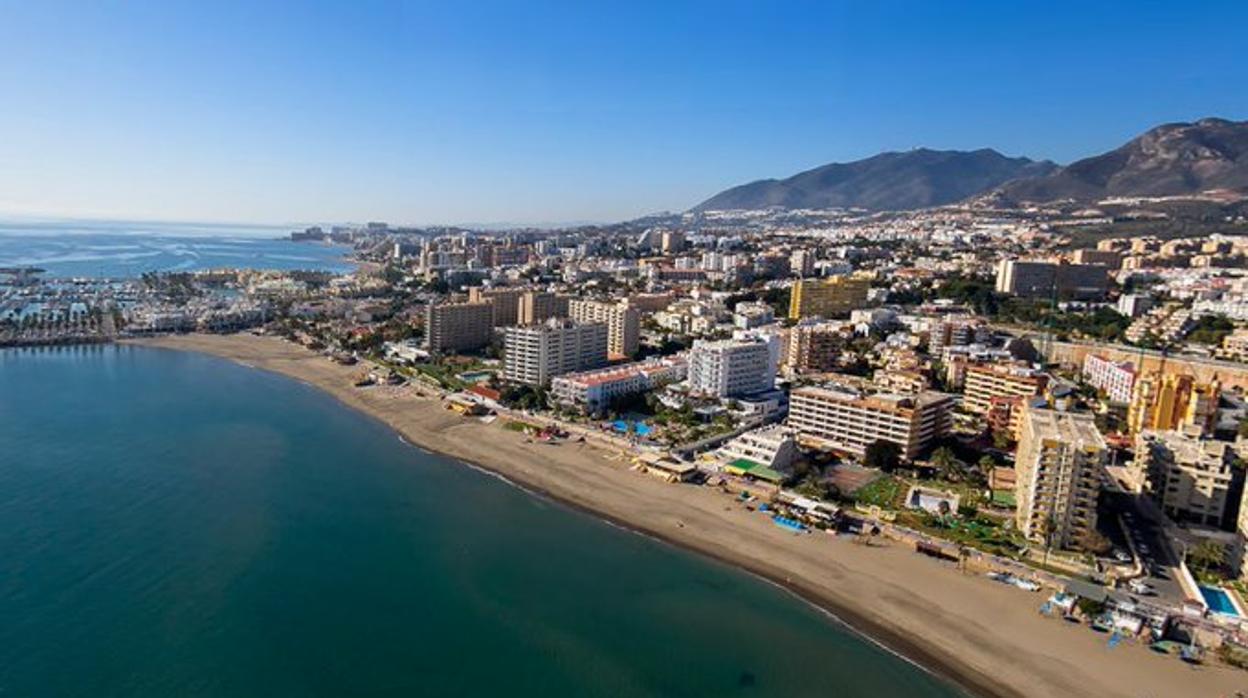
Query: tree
[[1048, 530], [882, 454], [1094, 542], [947, 464], [1208, 556], [1001, 440], [984, 468]]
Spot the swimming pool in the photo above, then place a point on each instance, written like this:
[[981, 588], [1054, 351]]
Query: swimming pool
[[638, 428], [475, 376], [1219, 601]]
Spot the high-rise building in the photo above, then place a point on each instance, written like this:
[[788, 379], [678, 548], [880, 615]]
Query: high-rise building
[[802, 263], [730, 368], [673, 241], [828, 297], [506, 303], [1189, 476], [815, 348], [1060, 465], [1104, 258], [535, 354], [1039, 279], [622, 320], [983, 382], [536, 307], [1170, 401], [451, 327], [848, 418]]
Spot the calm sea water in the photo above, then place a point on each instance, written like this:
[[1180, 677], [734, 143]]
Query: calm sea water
[[176, 525], [119, 250]]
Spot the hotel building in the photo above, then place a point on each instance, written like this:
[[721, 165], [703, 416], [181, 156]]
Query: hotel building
[[984, 382], [730, 368], [623, 323], [1060, 464], [828, 297], [452, 327], [506, 303], [1166, 402], [849, 418], [533, 355], [595, 390]]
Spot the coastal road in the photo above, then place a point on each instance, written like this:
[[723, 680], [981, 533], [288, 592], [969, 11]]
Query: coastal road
[[1148, 534]]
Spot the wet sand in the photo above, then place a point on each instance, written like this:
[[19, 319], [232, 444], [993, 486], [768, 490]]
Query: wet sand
[[984, 636]]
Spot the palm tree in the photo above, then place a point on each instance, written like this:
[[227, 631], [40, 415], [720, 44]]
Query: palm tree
[[1048, 529]]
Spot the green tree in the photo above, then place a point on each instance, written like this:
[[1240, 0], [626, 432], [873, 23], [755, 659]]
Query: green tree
[[947, 464], [1207, 556], [882, 454]]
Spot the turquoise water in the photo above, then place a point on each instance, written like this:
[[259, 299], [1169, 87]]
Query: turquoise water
[[122, 250], [1218, 600], [175, 525]]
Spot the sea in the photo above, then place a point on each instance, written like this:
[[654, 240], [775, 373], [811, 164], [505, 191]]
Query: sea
[[119, 249], [173, 524]]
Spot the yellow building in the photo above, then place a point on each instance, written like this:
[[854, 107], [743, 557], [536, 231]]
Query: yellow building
[[983, 382], [1172, 401], [830, 297]]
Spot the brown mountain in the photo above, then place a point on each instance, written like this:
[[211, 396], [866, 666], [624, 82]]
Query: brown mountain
[[889, 181], [1170, 160]]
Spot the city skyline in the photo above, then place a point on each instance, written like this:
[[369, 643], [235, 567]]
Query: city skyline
[[560, 114]]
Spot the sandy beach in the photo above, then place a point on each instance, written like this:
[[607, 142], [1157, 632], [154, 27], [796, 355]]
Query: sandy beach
[[987, 637]]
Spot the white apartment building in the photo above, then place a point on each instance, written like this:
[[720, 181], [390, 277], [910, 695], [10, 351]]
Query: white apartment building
[[1060, 465], [595, 390], [533, 355], [730, 368], [1116, 378], [849, 418]]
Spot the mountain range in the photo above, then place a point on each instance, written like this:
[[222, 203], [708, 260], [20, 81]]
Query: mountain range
[[1169, 160]]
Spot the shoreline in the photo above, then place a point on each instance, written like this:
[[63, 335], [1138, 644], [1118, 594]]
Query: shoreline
[[962, 629]]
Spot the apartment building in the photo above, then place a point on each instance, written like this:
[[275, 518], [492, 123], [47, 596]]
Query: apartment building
[[1042, 279], [1115, 378], [983, 382], [506, 303], [1188, 476], [596, 390], [452, 327], [623, 323], [830, 297], [815, 348], [536, 307], [535, 354], [848, 417], [1171, 401], [730, 368], [1060, 465]]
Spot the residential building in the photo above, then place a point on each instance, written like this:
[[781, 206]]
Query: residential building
[[623, 323], [848, 417], [1104, 258], [802, 263], [730, 368], [596, 390], [672, 241], [1189, 476], [1060, 465], [1040, 279], [983, 382], [1170, 401], [815, 348], [452, 327], [536, 307], [1134, 305], [535, 354], [506, 303], [1115, 378], [830, 297]]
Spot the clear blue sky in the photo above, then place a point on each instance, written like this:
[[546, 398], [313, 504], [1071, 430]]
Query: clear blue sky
[[539, 111]]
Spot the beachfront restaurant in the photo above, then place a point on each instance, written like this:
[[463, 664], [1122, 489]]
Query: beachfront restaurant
[[665, 468], [752, 470]]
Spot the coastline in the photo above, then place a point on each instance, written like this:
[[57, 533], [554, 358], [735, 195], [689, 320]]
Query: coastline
[[985, 638]]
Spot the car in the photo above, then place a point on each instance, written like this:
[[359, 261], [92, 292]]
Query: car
[[1026, 585], [1122, 556]]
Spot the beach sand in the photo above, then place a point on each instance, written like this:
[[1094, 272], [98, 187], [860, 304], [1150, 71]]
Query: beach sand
[[987, 637]]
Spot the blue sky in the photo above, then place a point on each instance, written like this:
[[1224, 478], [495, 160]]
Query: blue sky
[[548, 111]]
